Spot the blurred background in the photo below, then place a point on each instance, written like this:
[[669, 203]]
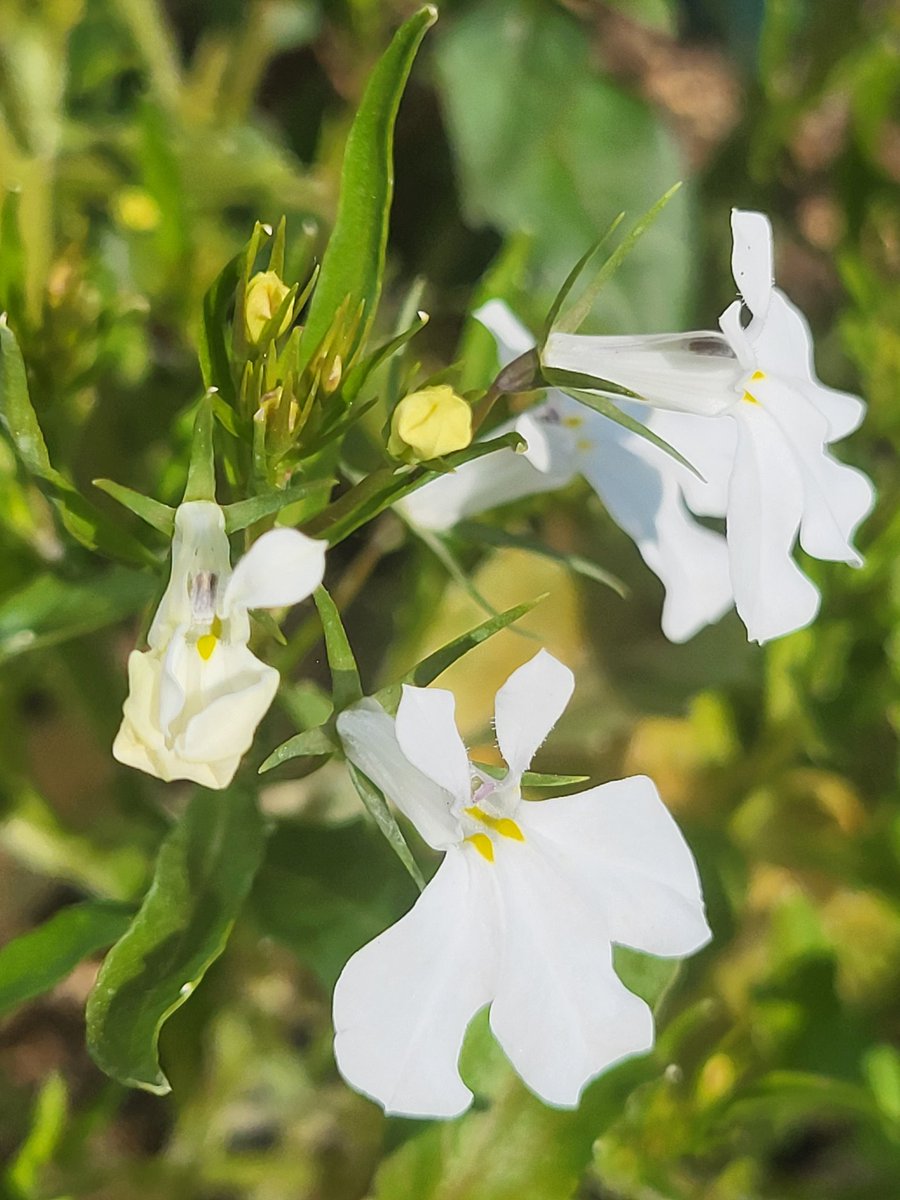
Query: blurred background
[[139, 141]]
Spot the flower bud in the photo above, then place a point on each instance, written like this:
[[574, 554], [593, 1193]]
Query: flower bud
[[429, 424], [265, 296]]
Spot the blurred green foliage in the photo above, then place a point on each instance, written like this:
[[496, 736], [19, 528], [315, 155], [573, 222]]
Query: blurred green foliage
[[139, 144]]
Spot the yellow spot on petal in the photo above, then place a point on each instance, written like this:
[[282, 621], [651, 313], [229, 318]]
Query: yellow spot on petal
[[483, 845], [748, 399], [206, 643], [503, 825], [573, 422], [757, 375]]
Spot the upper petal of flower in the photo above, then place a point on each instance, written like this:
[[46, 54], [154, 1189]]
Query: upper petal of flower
[[560, 1012], [709, 444], [427, 734], [687, 372], [403, 1002], [765, 507], [619, 845], [751, 258], [283, 567], [370, 741], [527, 707]]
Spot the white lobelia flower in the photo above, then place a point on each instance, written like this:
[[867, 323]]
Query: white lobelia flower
[[196, 696], [639, 484], [745, 407], [521, 914]]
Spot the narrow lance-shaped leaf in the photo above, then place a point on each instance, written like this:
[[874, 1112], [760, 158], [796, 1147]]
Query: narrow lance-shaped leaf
[[345, 684], [492, 535], [35, 962], [353, 264], [380, 812], [570, 318], [201, 480], [608, 407], [204, 871], [436, 663], [312, 743], [156, 514], [244, 513]]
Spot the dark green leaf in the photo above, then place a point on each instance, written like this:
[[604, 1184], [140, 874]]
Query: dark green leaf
[[325, 891], [312, 743], [353, 264], [50, 609], [154, 512], [35, 962], [345, 685], [543, 141], [204, 871], [380, 812]]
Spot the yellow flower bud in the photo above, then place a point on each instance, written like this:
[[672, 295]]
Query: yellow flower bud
[[265, 295], [429, 424]]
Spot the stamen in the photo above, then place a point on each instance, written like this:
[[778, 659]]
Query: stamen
[[203, 595], [483, 845]]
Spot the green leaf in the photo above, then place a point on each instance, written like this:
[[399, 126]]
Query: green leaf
[[310, 744], [568, 319], [204, 871], [649, 977], [324, 891], [215, 358], [535, 779], [574, 275], [244, 513], [345, 685], [492, 535], [160, 516], [17, 416], [48, 1126], [608, 407], [353, 263], [49, 609], [385, 487], [35, 962], [516, 1147], [361, 372], [435, 664], [379, 809], [525, 104], [201, 480]]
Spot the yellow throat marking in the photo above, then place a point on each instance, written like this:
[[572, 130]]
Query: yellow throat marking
[[747, 397], [207, 642], [505, 826]]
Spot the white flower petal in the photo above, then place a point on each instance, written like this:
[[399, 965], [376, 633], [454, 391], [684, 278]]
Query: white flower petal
[[511, 336], [640, 487], [427, 733], [620, 846], [751, 258], [687, 372], [370, 742], [551, 439], [709, 444], [560, 1012], [772, 595], [784, 347], [527, 707], [477, 487], [837, 497], [403, 1002], [283, 567], [228, 710]]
